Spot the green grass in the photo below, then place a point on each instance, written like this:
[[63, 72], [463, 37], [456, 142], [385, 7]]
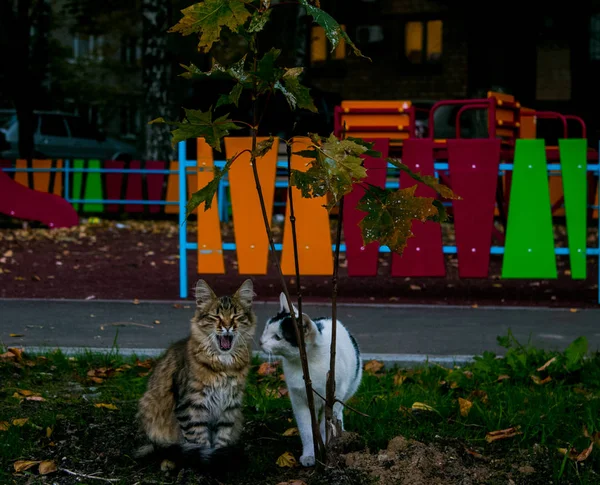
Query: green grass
[[91, 439]]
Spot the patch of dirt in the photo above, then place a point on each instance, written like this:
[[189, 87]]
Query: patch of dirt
[[139, 259], [444, 462]]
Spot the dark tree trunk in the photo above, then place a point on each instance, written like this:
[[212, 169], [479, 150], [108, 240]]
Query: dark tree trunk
[[156, 77]]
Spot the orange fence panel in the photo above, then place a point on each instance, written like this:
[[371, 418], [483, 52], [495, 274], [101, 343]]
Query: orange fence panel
[[251, 243], [41, 180], [210, 246], [22, 177], [312, 228]]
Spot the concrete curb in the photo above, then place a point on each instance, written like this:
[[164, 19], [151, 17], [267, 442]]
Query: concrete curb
[[389, 360]]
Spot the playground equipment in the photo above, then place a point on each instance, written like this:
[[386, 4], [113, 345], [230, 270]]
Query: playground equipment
[[537, 181]]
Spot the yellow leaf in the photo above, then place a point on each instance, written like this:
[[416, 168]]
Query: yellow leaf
[[267, 368], [20, 421], [136, 301], [573, 310], [18, 353], [539, 381], [16, 335], [4, 425], [106, 406], [287, 460], [25, 392], [373, 366], [465, 407], [399, 379], [23, 465], [421, 407], [8, 254], [47, 467], [48, 432], [502, 434], [291, 432], [546, 365], [573, 455]]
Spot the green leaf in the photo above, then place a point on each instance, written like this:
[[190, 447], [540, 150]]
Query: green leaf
[[235, 71], [335, 166], [575, 353], [199, 124], [390, 214], [266, 70], [233, 97], [263, 147], [207, 193], [259, 20], [297, 95], [368, 145], [333, 31], [428, 180], [208, 18]]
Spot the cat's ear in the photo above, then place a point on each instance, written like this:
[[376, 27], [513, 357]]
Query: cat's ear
[[310, 329], [245, 293], [204, 295], [283, 305]]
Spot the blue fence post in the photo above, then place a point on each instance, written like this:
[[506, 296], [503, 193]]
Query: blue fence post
[[67, 181], [183, 279], [598, 265]]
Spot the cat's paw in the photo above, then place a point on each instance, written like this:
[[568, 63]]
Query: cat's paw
[[307, 460]]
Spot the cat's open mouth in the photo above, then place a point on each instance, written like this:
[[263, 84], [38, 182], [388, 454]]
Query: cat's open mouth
[[225, 341]]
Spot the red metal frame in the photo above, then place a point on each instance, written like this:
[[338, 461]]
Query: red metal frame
[[490, 103]]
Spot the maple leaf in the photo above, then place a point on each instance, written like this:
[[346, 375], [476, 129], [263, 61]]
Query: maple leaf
[[207, 18], [207, 193], [332, 29], [373, 367], [200, 124], [263, 147], [258, 21], [233, 97], [218, 71], [390, 214], [429, 180], [335, 166], [465, 406], [287, 460], [296, 94]]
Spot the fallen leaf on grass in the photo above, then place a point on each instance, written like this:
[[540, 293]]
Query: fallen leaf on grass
[[48, 432], [267, 368], [23, 465], [502, 377], [20, 421], [104, 405], [16, 335], [465, 406], [546, 365], [373, 366], [46, 467], [502, 434], [291, 432], [419, 406], [479, 394], [4, 425], [539, 381], [287, 460], [573, 310], [34, 398], [399, 379], [146, 364], [573, 455]]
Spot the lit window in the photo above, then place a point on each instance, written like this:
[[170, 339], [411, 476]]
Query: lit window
[[423, 41], [320, 46]]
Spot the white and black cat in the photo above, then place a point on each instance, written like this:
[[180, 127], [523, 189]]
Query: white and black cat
[[279, 338]]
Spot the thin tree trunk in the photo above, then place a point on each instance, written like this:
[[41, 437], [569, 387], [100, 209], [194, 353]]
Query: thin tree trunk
[[331, 424], [155, 23]]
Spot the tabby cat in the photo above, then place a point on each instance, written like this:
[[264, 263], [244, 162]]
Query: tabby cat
[[192, 407]]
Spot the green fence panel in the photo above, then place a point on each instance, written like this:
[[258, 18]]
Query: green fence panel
[[573, 165], [529, 245], [93, 188], [76, 179]]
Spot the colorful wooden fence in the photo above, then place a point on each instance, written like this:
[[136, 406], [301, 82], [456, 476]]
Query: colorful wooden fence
[[473, 168]]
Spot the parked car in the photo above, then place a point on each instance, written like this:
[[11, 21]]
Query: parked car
[[63, 135]]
